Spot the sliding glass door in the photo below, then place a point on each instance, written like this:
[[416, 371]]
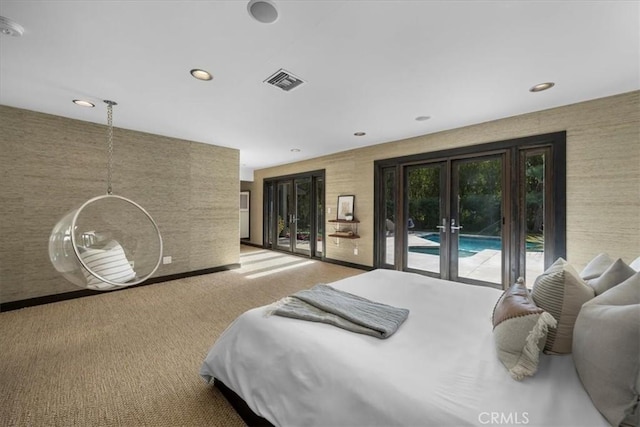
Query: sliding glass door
[[482, 215]]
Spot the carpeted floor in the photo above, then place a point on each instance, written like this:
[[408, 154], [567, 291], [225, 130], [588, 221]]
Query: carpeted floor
[[131, 357]]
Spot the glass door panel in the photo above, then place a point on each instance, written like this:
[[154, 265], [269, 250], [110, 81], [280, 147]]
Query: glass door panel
[[389, 202], [269, 213], [283, 215], [476, 220], [301, 220], [534, 212], [425, 234], [319, 195]]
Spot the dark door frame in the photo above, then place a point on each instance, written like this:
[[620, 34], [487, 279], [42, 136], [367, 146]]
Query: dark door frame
[[555, 223], [314, 226]]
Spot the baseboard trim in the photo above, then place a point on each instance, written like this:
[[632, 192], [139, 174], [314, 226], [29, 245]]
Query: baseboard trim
[[255, 245], [348, 264], [47, 299]]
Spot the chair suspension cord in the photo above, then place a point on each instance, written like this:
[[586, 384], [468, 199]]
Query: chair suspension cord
[[110, 105]]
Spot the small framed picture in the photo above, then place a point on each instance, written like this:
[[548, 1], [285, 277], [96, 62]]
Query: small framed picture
[[346, 207]]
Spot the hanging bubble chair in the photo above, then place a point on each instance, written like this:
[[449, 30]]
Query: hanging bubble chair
[[108, 242]]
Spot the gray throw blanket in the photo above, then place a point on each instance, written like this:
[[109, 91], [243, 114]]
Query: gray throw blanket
[[325, 304]]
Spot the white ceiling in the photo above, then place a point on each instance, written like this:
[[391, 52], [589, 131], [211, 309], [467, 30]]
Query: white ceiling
[[371, 66]]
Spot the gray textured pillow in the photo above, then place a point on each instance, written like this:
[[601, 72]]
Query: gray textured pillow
[[596, 266], [617, 273], [520, 330], [561, 292], [606, 351]]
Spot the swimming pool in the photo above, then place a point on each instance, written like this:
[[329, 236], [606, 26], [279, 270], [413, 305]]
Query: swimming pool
[[467, 245]]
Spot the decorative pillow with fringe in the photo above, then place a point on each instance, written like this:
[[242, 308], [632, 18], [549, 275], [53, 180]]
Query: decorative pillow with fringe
[[520, 330]]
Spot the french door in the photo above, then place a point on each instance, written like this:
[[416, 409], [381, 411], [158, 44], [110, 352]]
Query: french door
[[293, 214], [454, 208], [482, 215]]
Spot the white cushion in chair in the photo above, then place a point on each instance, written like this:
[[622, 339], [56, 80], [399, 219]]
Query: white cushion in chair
[[109, 262]]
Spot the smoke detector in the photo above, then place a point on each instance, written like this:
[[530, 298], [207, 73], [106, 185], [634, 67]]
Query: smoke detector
[[284, 80], [10, 28]]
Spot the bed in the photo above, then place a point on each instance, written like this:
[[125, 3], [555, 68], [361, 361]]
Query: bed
[[440, 368]]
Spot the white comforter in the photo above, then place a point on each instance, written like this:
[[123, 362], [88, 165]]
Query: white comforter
[[439, 369]]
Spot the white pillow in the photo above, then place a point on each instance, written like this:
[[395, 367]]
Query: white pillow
[[617, 273], [606, 351], [635, 264], [596, 266], [109, 262]]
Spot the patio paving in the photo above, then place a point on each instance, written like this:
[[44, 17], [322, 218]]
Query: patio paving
[[485, 265]]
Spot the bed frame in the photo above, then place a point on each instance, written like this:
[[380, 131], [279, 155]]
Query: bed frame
[[241, 407]]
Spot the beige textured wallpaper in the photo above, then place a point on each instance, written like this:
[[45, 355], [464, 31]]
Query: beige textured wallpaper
[[603, 175], [50, 165]]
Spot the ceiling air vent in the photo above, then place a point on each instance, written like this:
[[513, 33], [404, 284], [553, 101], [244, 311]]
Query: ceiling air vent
[[284, 80]]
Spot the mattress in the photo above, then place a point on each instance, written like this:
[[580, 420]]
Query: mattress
[[440, 367]]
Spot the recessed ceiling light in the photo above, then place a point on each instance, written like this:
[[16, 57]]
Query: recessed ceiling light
[[359, 134], [542, 86], [263, 11], [295, 150], [10, 28], [422, 118], [83, 103], [201, 74]]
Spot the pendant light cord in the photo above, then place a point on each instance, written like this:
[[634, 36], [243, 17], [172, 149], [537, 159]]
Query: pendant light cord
[[110, 105]]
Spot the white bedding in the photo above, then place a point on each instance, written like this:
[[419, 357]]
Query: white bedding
[[439, 369]]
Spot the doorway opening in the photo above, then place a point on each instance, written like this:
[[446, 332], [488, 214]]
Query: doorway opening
[[484, 214], [294, 214]]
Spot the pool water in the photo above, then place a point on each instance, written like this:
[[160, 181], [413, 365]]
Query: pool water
[[467, 245]]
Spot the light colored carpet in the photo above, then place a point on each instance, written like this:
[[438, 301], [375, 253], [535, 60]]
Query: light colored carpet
[[131, 357]]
